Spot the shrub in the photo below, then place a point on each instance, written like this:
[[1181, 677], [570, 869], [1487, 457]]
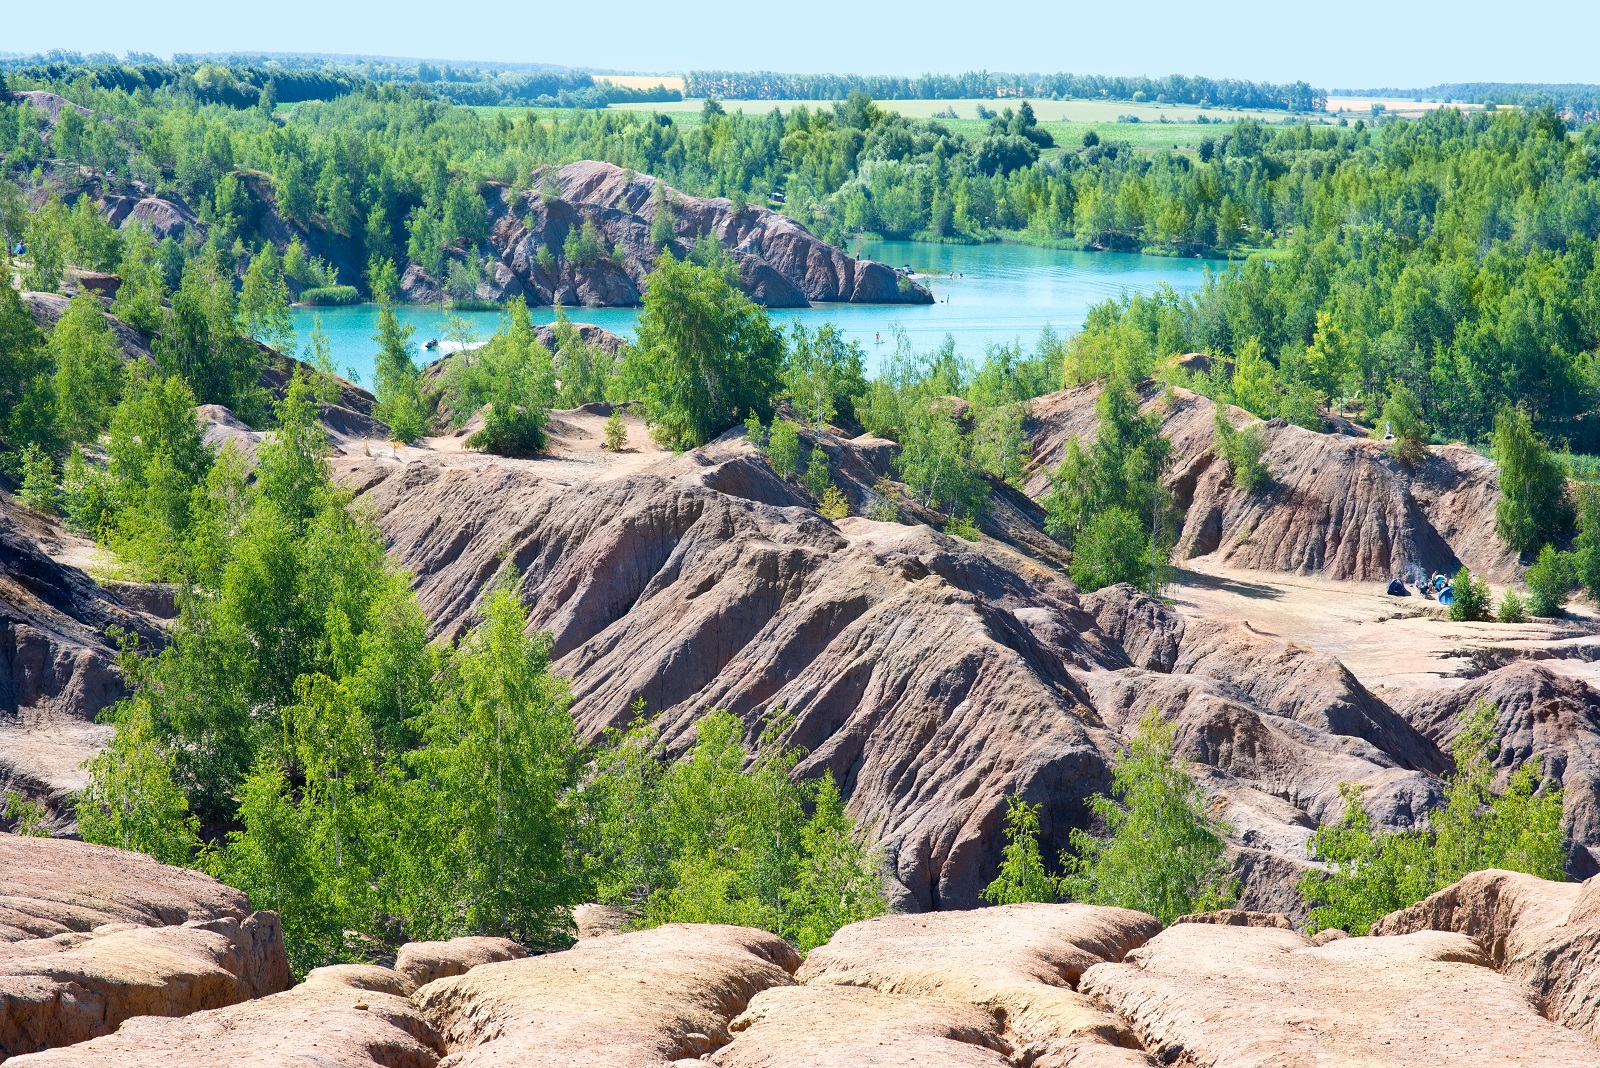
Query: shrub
[[29, 819], [1162, 853], [817, 477], [754, 431], [616, 432], [1113, 548], [1402, 417], [1243, 450], [1371, 873], [1023, 876], [1512, 609], [39, 481], [1471, 600], [834, 503], [962, 527], [546, 260], [327, 296], [881, 506], [1549, 580], [783, 447], [1533, 508]]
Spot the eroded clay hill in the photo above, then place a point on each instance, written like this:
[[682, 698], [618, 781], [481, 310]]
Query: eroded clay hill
[[1499, 969], [1337, 506], [932, 676], [781, 264]]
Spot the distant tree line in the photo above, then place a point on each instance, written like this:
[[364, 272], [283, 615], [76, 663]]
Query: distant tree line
[[1173, 89], [1580, 98]]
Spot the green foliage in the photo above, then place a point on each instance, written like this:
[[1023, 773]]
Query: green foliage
[[330, 296], [584, 247], [823, 373], [834, 504], [27, 390], [144, 287], [721, 837], [705, 356], [264, 302], [29, 819], [1371, 873], [1243, 450], [491, 820], [201, 342], [1023, 876], [616, 432], [1161, 852], [783, 447], [1107, 502], [1533, 508], [89, 374], [397, 384], [1472, 602], [38, 489], [585, 370], [935, 460], [1550, 579], [962, 526], [512, 379], [156, 460], [1113, 548], [818, 476], [1586, 548], [1512, 609], [47, 241]]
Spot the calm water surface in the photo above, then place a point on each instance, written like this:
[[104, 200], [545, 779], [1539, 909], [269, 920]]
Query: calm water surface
[[1001, 293]]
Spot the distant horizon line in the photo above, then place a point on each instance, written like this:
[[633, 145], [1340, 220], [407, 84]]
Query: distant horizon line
[[61, 55]]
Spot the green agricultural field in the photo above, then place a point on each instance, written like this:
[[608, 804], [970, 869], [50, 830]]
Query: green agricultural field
[[1159, 125]]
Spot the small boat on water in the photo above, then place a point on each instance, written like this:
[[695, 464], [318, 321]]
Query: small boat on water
[[431, 344]]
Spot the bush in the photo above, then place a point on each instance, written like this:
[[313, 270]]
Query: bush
[[783, 447], [1512, 609], [1471, 600], [817, 477], [1243, 450], [1402, 417], [1162, 853], [328, 296], [1533, 508], [1549, 580], [834, 504], [38, 489], [1113, 548], [962, 527], [616, 432], [1023, 876]]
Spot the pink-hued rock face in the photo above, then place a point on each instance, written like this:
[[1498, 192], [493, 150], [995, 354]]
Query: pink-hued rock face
[[781, 264], [1250, 996], [91, 936]]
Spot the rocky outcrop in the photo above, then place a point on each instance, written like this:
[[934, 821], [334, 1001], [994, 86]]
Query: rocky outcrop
[[991, 986], [1239, 997], [91, 936], [646, 998], [420, 963], [1539, 715], [50, 106], [163, 217], [57, 662], [1543, 934], [1336, 506], [348, 1016], [781, 264]]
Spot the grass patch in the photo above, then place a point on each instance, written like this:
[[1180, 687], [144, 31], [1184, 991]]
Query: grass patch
[[330, 296]]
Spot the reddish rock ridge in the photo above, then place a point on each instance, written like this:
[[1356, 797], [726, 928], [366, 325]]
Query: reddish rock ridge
[[91, 936], [1336, 506], [781, 264], [1545, 935]]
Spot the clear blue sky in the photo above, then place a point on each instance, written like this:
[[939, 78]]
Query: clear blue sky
[[1339, 44]]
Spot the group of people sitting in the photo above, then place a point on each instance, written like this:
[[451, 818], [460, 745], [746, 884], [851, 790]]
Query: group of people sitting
[[1436, 586]]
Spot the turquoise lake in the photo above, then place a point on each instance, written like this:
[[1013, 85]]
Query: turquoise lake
[[999, 294]]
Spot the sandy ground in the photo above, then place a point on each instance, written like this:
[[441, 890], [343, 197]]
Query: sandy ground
[[575, 454], [1389, 643]]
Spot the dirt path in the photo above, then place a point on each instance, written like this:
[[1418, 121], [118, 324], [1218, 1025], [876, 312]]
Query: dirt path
[[1389, 643]]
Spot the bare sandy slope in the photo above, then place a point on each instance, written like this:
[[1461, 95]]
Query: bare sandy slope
[[1390, 643]]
